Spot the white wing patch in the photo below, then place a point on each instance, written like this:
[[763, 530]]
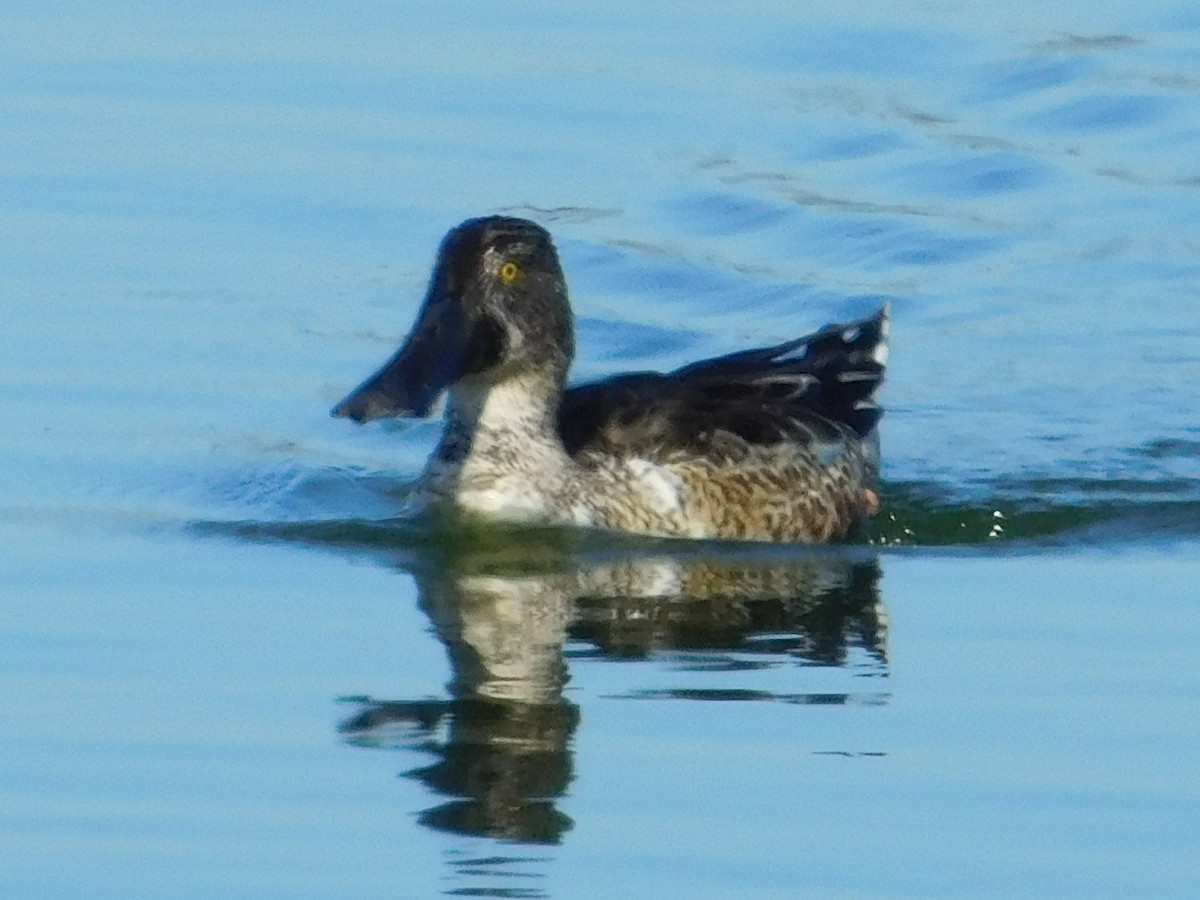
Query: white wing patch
[[661, 488], [880, 353]]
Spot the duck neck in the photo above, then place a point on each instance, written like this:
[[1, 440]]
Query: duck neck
[[523, 407], [502, 432]]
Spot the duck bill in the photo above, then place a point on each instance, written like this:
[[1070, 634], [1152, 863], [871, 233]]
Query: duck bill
[[410, 382]]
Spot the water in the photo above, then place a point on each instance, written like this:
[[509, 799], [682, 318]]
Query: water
[[228, 670]]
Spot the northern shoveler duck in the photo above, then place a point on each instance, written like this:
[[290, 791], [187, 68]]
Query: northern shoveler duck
[[772, 444]]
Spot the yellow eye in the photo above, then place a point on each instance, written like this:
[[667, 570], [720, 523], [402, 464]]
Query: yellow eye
[[509, 272]]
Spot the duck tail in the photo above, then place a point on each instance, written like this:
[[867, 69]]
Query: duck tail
[[833, 372], [850, 362]]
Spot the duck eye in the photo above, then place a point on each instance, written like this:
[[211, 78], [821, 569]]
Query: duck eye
[[509, 272]]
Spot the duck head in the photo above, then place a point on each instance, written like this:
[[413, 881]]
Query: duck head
[[496, 307]]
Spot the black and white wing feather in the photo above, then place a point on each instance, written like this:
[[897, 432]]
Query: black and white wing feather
[[816, 389]]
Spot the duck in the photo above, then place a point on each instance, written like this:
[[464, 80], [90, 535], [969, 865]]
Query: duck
[[776, 444]]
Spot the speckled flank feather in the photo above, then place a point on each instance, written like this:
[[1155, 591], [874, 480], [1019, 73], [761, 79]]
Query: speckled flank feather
[[785, 496], [784, 493], [772, 444]]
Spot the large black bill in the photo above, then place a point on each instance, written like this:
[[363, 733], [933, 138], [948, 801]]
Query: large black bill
[[410, 382]]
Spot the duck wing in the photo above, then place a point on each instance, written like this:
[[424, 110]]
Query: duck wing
[[815, 389]]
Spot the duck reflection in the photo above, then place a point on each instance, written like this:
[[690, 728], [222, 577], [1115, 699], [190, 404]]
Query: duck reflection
[[502, 740], [505, 755]]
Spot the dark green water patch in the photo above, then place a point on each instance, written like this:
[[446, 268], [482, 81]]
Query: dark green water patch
[[1053, 512]]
